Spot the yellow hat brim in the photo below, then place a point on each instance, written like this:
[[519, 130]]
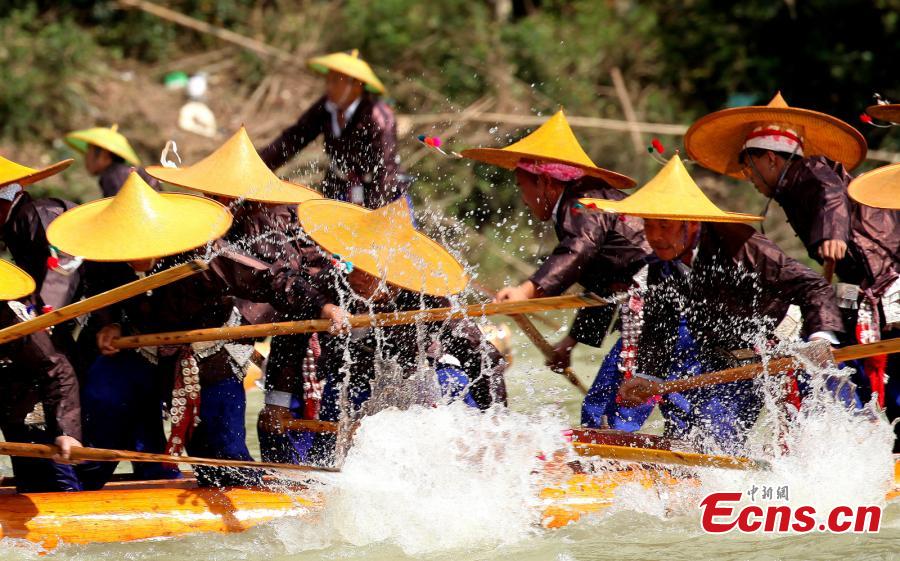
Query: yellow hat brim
[[14, 282], [509, 159], [387, 249], [105, 138], [138, 224], [879, 188], [236, 171], [716, 140], [11, 172], [885, 112], [348, 65]]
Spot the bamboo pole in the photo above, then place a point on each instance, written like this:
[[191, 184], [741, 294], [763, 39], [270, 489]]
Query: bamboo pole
[[102, 300], [546, 349], [657, 456], [26, 450], [828, 270], [363, 320], [775, 365], [311, 425]]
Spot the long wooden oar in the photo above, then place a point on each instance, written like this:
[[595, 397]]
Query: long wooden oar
[[101, 300], [46, 451], [362, 320], [311, 425], [775, 365], [537, 338], [657, 456], [546, 349]]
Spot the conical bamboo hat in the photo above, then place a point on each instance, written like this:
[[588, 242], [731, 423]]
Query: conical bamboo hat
[[14, 282], [235, 170], [351, 65], [553, 141], [384, 243], [11, 172], [879, 188], [716, 140], [671, 195], [138, 223], [108, 138]]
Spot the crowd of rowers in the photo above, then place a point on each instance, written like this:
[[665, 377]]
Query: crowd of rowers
[[695, 282]]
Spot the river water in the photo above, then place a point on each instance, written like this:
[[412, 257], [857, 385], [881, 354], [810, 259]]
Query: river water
[[446, 484]]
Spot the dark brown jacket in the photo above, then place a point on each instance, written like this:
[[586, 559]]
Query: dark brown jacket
[[814, 196], [364, 154], [598, 250], [113, 177], [32, 371], [25, 234], [739, 286]]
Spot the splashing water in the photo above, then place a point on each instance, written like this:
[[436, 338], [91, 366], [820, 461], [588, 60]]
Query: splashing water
[[431, 479]]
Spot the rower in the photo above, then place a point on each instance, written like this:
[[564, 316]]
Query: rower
[[107, 156], [265, 228], [389, 266], [152, 232], [38, 393], [24, 223], [359, 132], [598, 251], [716, 285], [801, 158]]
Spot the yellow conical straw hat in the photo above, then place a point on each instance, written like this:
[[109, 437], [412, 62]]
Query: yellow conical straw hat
[[235, 170], [138, 223], [108, 138], [351, 65], [879, 188], [889, 112], [14, 282], [553, 141], [383, 243], [716, 140], [11, 172], [671, 195]]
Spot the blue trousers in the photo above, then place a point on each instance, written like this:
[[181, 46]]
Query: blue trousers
[[121, 407], [725, 412], [222, 434], [34, 475]]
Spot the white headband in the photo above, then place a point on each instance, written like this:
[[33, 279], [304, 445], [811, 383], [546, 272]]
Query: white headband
[[775, 138]]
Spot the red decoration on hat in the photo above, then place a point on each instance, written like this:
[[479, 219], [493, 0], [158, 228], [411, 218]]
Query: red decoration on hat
[[52, 262], [657, 145], [865, 118]]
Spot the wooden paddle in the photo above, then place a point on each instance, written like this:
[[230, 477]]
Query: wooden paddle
[[546, 349], [586, 435], [363, 320], [311, 425], [46, 451], [828, 270], [537, 338], [657, 456], [775, 365], [101, 300]]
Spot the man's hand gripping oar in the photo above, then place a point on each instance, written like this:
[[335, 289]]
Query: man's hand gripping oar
[[638, 390]]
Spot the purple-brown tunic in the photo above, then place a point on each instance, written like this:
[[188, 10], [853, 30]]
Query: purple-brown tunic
[[364, 155]]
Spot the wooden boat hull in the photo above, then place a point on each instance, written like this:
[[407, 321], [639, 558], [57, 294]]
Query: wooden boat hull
[[137, 514], [127, 514]]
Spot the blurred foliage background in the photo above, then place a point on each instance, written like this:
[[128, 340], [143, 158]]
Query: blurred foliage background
[[78, 63]]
